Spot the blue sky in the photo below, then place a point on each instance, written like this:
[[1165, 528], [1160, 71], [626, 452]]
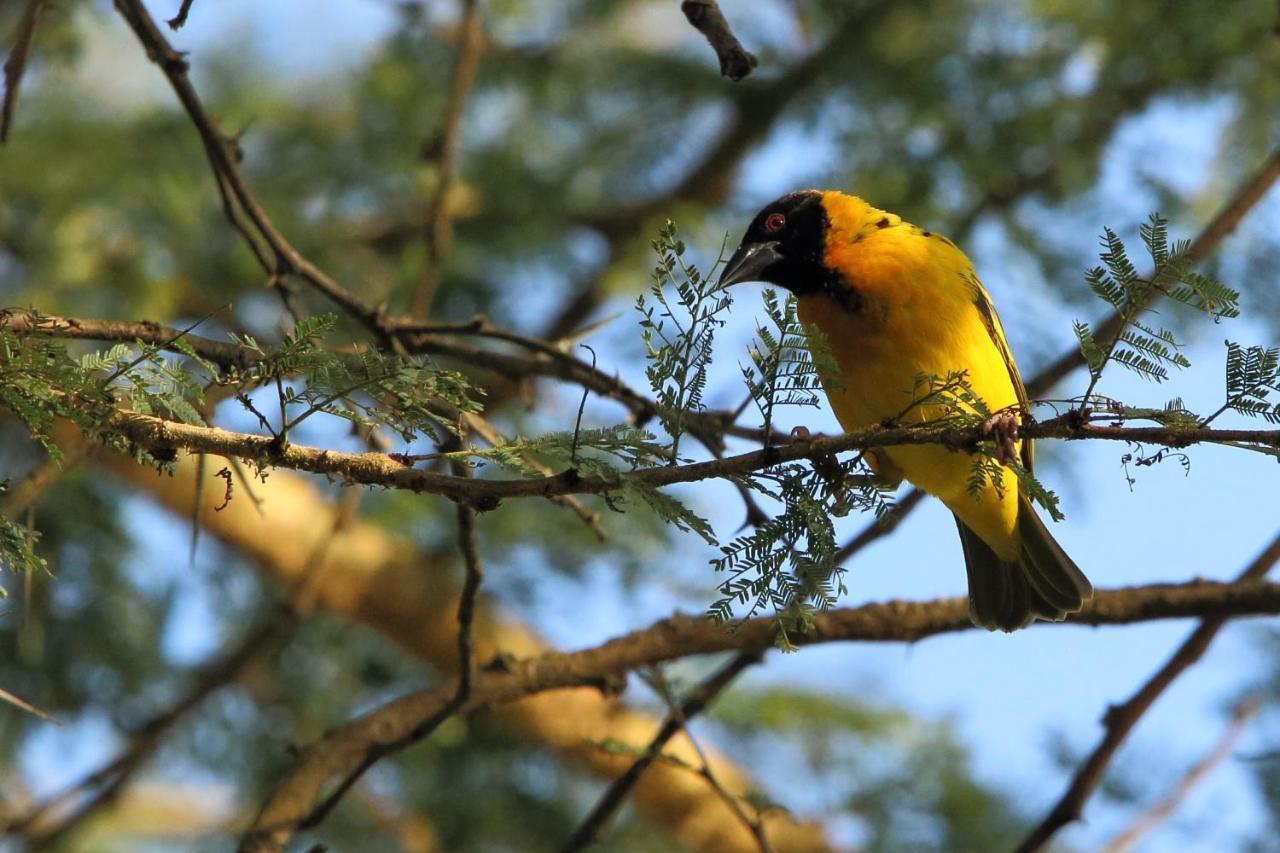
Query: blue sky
[[1005, 693]]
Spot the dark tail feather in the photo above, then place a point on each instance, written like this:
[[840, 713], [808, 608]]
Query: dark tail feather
[[1043, 584]]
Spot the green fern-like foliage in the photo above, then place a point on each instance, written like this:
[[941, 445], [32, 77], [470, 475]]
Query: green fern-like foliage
[[1148, 350], [1253, 374], [789, 363], [18, 550], [678, 333], [411, 396]]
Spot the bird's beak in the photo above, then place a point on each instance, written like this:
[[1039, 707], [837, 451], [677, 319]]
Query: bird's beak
[[749, 263]]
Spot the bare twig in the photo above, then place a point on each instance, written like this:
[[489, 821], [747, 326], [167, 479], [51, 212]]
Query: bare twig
[[882, 526], [393, 726], [16, 62], [273, 250], [18, 702], [439, 232], [736, 62], [675, 722], [1120, 719], [179, 20], [1241, 715], [753, 824], [469, 545]]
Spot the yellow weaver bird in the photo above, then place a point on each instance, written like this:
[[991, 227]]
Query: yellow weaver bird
[[896, 302]]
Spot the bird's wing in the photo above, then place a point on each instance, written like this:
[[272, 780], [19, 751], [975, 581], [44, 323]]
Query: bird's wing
[[991, 320]]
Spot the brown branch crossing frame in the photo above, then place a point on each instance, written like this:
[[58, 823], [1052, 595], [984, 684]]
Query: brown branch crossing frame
[[380, 469], [390, 726]]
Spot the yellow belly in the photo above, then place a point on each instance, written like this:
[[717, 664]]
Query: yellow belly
[[882, 348]]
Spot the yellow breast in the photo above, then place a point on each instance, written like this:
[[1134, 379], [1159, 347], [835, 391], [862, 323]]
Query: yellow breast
[[914, 314]]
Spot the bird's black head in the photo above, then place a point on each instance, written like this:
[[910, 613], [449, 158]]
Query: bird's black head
[[784, 245]]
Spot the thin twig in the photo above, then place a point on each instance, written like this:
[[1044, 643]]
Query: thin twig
[[753, 824], [675, 722], [439, 231], [736, 62], [179, 20], [239, 200], [1120, 719], [23, 322], [18, 702], [882, 526], [469, 546], [1246, 709], [16, 63]]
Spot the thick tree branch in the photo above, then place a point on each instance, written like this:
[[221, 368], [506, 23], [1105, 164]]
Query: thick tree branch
[[736, 62], [387, 728], [1120, 719]]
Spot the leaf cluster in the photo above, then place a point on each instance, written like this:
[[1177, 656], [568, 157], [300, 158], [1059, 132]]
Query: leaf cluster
[[1253, 374], [1146, 349], [678, 333], [367, 387], [789, 362]]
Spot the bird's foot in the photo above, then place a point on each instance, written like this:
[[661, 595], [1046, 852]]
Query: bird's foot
[[1002, 428], [829, 468]]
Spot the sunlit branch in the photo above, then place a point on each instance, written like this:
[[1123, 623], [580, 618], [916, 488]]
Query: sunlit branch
[[379, 469], [392, 726]]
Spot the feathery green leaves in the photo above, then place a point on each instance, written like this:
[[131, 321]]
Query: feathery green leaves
[[678, 334], [789, 362], [1147, 350], [1253, 374]]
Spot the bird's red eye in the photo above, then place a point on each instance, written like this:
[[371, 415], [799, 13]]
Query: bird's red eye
[[774, 222]]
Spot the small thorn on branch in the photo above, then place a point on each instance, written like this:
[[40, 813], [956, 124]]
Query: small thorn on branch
[[736, 62]]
